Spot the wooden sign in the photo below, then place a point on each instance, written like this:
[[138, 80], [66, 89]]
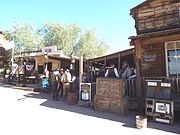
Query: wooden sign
[[85, 92], [49, 49], [149, 57]]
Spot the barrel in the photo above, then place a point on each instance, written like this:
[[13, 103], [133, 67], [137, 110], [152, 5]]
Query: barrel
[[72, 98], [141, 122]]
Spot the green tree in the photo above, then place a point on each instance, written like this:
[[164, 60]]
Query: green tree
[[64, 37], [5, 55], [67, 38], [25, 38], [89, 46]]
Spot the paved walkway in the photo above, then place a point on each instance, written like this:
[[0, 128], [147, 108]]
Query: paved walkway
[[30, 113]]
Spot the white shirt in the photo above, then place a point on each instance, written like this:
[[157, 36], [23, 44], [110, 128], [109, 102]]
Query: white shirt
[[68, 76], [115, 72]]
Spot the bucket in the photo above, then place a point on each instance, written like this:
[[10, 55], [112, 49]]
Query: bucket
[[141, 122]]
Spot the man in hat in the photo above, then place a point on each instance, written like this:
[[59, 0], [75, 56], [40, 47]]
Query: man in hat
[[61, 81], [55, 80], [125, 71], [112, 72]]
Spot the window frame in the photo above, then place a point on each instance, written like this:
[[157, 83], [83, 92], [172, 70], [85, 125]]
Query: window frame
[[166, 54]]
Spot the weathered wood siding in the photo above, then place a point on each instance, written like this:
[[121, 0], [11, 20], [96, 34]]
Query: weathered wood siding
[[109, 95], [157, 15], [153, 60], [41, 60]]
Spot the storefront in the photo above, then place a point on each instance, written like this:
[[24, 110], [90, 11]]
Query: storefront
[[157, 46]]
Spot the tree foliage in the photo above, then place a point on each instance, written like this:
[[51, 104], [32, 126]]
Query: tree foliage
[[25, 38], [64, 37], [89, 46], [5, 55], [68, 38]]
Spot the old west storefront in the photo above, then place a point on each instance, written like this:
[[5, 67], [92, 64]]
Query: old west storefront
[[157, 45], [109, 94]]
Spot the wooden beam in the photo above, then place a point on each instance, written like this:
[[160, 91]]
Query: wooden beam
[[80, 73], [160, 39], [105, 61], [138, 74], [119, 62]]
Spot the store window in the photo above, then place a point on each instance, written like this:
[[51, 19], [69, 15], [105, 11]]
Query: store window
[[173, 58]]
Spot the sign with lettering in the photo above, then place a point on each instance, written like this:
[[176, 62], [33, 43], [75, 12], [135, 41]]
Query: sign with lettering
[[149, 57], [49, 49], [85, 92]]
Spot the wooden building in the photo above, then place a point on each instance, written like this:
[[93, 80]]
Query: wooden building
[[51, 58], [30, 65], [97, 65], [157, 44], [53, 62], [108, 93]]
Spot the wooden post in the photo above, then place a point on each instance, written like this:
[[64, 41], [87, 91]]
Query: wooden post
[[105, 62], [138, 75], [80, 73], [91, 72], [119, 62]]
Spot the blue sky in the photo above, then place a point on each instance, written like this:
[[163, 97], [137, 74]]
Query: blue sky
[[109, 18]]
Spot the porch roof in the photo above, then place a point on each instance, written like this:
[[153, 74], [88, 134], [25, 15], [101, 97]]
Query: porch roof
[[155, 34], [114, 55]]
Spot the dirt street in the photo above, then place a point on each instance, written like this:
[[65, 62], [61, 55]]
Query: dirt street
[[30, 113]]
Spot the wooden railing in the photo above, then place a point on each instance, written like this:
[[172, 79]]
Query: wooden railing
[[131, 86]]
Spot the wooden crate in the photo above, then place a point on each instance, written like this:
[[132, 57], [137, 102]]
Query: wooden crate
[[109, 87], [101, 103], [114, 105]]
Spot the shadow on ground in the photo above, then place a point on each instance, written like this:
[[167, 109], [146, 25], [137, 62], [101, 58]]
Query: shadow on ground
[[28, 87], [128, 121]]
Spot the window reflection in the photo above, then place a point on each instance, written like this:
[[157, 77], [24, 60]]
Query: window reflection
[[178, 52], [172, 69], [172, 66], [173, 56], [171, 60], [171, 53], [178, 65]]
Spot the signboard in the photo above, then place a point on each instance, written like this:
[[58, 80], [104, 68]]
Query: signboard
[[163, 108], [149, 57], [49, 49], [85, 92]]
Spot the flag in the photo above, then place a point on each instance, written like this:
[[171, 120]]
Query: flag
[[9, 45]]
